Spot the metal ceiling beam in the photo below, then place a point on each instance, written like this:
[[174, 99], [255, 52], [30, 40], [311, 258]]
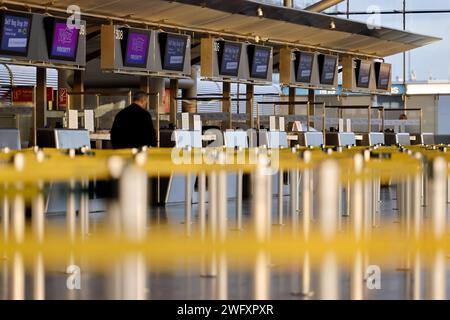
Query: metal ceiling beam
[[322, 5]]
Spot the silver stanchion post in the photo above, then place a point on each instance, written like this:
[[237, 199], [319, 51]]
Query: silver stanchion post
[[239, 192], [133, 202], [328, 224], [438, 214]]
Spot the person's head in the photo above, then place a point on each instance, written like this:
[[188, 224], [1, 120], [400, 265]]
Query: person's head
[[140, 98], [403, 117]]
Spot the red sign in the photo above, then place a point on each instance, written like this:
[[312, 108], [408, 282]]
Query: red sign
[[49, 94], [25, 94], [22, 95], [62, 98]]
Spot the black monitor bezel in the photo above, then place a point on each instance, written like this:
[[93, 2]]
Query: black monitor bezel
[[359, 63], [378, 67], [49, 26], [222, 44], [298, 55], [322, 58], [18, 14], [163, 39], [125, 46], [251, 51]]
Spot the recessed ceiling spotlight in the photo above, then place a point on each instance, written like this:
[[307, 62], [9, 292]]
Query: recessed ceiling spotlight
[[257, 39], [260, 12], [332, 25]]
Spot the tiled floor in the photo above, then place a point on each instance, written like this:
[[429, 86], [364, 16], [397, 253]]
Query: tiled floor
[[184, 281]]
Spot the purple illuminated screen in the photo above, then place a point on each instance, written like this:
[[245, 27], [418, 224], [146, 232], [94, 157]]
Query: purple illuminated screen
[[137, 49], [65, 42]]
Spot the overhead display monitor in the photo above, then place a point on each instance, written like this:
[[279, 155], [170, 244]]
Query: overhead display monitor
[[62, 41], [259, 59], [173, 51], [303, 66], [383, 75], [15, 33], [135, 46], [327, 68], [362, 73], [229, 54]]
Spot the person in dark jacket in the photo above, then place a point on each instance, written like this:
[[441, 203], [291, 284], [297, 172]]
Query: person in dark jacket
[[133, 126]]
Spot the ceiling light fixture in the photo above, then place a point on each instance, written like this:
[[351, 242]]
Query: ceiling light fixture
[[260, 12], [332, 25]]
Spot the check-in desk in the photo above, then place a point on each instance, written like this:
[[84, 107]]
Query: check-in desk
[[175, 192], [275, 140], [340, 139], [370, 139], [63, 138], [392, 138], [307, 139], [423, 138], [10, 138], [56, 201]]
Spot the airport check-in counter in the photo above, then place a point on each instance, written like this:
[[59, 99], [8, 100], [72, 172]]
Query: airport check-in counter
[[173, 189], [57, 193], [10, 138], [392, 138], [370, 139], [423, 138], [340, 139], [273, 139], [307, 139], [63, 138]]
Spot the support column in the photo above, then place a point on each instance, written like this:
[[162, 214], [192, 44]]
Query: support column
[[226, 103], [292, 94], [157, 86], [173, 102], [157, 90], [78, 86], [41, 101], [191, 106], [63, 75], [311, 100], [144, 86], [249, 105]]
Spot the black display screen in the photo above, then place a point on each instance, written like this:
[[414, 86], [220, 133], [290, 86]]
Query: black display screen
[[327, 65], [135, 47], [15, 31], [362, 71], [383, 73], [229, 54], [62, 41], [259, 59], [304, 64], [173, 51]]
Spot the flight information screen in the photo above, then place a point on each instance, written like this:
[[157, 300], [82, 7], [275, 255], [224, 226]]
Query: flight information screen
[[363, 75], [231, 57], [175, 52], [261, 59], [328, 69], [304, 66], [384, 76], [15, 33], [65, 42], [137, 49]]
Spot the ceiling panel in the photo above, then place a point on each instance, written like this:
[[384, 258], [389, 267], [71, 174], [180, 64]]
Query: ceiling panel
[[238, 18]]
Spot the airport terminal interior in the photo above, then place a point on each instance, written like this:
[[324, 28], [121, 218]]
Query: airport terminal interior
[[224, 150]]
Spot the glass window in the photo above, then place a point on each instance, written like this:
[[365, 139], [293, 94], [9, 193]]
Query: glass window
[[427, 5], [430, 62]]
